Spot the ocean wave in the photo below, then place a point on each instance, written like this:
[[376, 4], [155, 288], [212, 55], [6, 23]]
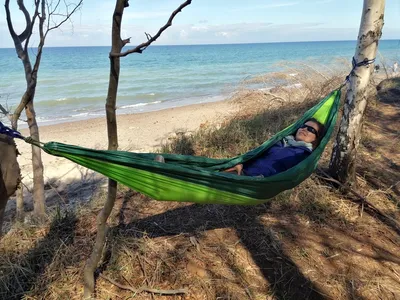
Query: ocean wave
[[69, 100], [85, 114], [49, 119], [139, 104]]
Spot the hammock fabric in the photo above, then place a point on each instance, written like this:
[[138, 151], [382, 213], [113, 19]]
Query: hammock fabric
[[197, 179]]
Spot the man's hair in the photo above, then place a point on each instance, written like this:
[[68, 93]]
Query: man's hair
[[321, 131]]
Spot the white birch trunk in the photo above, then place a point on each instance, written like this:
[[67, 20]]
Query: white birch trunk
[[342, 164]]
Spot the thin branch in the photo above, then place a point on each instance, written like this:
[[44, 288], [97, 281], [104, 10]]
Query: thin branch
[[126, 41], [67, 16], [35, 15], [148, 36], [144, 273], [140, 48], [51, 12], [43, 34], [6, 113], [364, 201], [144, 288]]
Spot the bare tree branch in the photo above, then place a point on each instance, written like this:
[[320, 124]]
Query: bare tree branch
[[140, 48], [52, 12], [3, 110], [42, 19], [363, 199], [22, 51], [144, 288], [6, 112], [67, 16], [35, 15], [9, 23], [126, 41], [43, 34], [23, 36], [148, 36]]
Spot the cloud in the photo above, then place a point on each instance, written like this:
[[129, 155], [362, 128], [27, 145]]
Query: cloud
[[258, 32], [183, 33], [242, 33], [224, 34]]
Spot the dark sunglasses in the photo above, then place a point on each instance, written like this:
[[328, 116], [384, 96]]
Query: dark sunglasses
[[310, 129]]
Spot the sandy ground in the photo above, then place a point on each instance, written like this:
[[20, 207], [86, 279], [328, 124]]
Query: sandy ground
[[143, 132]]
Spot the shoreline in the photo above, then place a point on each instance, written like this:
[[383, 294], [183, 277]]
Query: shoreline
[[138, 132], [130, 109]]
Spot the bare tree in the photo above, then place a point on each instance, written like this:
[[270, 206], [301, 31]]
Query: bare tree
[[343, 160], [115, 54], [50, 15]]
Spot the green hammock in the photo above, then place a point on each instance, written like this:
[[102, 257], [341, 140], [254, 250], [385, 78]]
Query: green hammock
[[197, 179]]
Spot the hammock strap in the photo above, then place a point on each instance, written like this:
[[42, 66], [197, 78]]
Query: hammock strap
[[10, 132], [16, 134], [356, 64]]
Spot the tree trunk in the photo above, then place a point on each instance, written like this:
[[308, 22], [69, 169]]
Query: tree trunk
[[39, 207], [43, 12], [344, 154], [116, 47], [20, 203], [10, 176]]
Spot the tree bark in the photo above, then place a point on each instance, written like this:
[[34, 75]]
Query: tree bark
[[39, 207], [20, 203], [10, 175], [344, 154], [116, 47]]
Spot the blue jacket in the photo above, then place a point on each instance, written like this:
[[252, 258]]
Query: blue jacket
[[275, 160]]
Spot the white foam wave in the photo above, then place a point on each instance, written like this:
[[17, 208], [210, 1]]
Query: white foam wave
[[139, 104], [80, 115]]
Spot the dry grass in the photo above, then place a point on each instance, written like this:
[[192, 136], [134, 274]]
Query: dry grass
[[262, 113], [307, 243]]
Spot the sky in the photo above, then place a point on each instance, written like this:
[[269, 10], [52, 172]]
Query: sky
[[212, 22]]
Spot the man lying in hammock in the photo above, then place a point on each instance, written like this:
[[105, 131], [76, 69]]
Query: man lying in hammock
[[284, 154]]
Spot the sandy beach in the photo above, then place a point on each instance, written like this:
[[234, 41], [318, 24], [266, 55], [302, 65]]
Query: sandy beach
[[142, 132]]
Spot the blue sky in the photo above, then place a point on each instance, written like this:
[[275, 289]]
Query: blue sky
[[215, 22]]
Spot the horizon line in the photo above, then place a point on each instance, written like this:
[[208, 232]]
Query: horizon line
[[208, 44]]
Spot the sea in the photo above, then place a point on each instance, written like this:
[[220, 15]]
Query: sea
[[73, 81]]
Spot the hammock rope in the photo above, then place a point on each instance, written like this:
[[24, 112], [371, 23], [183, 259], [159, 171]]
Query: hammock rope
[[356, 64]]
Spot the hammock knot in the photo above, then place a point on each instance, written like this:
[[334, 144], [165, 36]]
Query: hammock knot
[[356, 64], [32, 141]]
